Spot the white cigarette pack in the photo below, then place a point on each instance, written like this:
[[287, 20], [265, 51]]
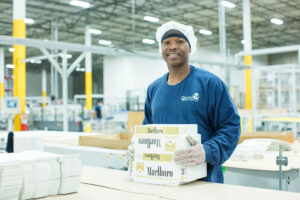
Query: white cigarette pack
[[167, 129], [166, 173], [162, 143]]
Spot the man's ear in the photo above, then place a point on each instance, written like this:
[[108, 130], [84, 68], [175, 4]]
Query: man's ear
[[190, 50]]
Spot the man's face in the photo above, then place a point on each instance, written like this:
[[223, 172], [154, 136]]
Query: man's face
[[175, 51]]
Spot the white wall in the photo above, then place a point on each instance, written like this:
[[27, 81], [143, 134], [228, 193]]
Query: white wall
[[128, 73]]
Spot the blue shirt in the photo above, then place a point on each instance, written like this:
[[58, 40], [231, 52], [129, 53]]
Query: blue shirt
[[202, 99], [98, 112]]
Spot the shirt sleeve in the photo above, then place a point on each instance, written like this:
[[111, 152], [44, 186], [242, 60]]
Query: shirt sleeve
[[147, 109], [226, 124]]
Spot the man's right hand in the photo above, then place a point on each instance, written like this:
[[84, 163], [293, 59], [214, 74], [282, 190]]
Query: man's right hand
[[129, 157]]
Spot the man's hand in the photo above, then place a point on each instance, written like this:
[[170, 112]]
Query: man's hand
[[191, 156], [129, 157]]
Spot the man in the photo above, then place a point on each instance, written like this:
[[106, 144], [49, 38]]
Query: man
[[98, 113], [189, 95]]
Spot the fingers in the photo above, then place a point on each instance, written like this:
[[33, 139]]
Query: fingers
[[188, 162], [126, 164], [191, 156], [131, 148], [191, 140], [180, 156], [129, 155], [183, 151]]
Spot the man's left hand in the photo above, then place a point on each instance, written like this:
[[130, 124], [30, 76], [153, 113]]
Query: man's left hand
[[191, 156]]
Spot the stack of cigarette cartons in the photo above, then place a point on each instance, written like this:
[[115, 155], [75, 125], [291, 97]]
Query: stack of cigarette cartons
[[155, 146]]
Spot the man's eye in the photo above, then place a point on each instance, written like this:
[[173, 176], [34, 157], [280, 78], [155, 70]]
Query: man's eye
[[180, 41]]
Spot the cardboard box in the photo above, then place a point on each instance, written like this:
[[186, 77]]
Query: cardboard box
[[134, 118], [110, 141], [284, 136], [114, 140]]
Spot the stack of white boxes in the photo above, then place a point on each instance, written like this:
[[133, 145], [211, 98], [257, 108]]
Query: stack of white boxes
[[70, 168], [155, 146], [39, 174], [11, 176]]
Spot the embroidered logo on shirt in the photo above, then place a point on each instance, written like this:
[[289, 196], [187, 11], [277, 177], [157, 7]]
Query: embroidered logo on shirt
[[195, 97]]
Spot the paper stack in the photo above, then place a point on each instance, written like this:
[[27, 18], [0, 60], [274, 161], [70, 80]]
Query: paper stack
[[27, 142], [36, 174], [154, 150], [70, 169], [11, 176], [41, 174]]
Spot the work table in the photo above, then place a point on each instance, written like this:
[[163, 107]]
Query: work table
[[104, 183]]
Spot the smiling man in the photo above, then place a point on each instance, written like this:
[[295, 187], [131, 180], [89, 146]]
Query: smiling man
[[189, 95]]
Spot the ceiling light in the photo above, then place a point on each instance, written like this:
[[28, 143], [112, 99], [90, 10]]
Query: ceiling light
[[10, 66], [29, 21], [148, 41], [276, 21], [151, 19], [95, 31], [82, 4], [104, 42], [67, 55], [243, 41], [227, 4], [205, 32], [11, 49], [36, 61], [78, 69]]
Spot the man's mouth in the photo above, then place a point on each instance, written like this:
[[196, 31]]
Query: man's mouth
[[173, 55]]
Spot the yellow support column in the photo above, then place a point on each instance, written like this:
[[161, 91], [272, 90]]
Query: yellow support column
[[88, 70], [88, 90], [248, 93], [19, 72], [1, 73], [88, 93], [44, 87], [88, 76], [1, 89], [248, 59], [44, 94]]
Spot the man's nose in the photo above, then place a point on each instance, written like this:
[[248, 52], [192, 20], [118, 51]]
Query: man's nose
[[173, 45]]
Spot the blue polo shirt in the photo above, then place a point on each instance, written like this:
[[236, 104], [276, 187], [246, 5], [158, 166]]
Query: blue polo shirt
[[202, 99]]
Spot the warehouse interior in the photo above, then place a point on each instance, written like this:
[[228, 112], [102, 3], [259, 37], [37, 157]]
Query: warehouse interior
[[61, 61]]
